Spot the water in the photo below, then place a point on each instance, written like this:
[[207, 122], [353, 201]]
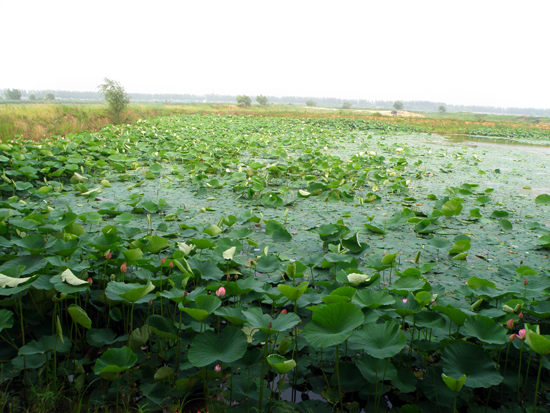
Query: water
[[489, 141]]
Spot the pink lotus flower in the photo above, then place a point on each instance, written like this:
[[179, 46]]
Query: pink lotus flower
[[171, 265], [521, 334], [90, 280], [123, 268], [510, 323], [404, 300], [217, 369], [220, 292], [283, 311]]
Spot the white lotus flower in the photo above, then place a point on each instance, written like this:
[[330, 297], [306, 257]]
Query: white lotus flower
[[356, 279]]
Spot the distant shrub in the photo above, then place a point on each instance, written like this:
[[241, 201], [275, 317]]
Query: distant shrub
[[346, 105], [243, 100], [398, 105], [311, 102], [442, 109], [262, 100]]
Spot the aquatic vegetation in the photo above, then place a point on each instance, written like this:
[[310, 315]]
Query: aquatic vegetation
[[242, 261]]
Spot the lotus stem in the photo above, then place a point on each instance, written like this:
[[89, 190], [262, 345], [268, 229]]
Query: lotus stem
[[537, 385]]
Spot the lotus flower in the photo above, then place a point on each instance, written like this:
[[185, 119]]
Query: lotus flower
[[217, 369], [510, 323], [220, 292], [123, 268], [521, 334]]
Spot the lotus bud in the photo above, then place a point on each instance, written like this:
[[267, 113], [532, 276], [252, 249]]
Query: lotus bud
[[512, 337], [170, 265], [123, 268], [520, 315], [228, 277], [236, 276], [525, 282], [521, 334], [162, 260], [404, 300], [283, 311], [220, 292], [150, 301], [90, 280], [108, 255], [185, 293], [510, 324], [217, 369]]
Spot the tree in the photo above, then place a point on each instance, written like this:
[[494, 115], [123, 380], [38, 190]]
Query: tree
[[12, 94], [49, 96], [398, 105], [346, 105], [441, 109], [311, 102], [243, 100], [116, 98], [262, 100], [32, 96]]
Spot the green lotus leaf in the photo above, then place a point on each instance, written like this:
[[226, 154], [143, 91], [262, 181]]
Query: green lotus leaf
[[79, 316], [457, 360], [46, 344], [484, 329], [280, 364], [114, 362], [378, 340], [162, 327], [208, 347], [333, 324]]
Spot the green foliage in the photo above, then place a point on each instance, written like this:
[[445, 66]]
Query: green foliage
[[311, 102], [441, 109], [12, 94], [32, 97], [116, 98], [49, 97], [346, 105], [262, 100], [244, 101], [398, 105]]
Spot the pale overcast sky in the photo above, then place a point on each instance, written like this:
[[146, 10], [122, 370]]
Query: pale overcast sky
[[459, 52]]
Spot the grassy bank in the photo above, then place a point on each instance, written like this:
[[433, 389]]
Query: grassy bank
[[39, 121]]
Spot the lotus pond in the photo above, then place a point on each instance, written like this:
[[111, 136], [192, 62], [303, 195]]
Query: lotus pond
[[241, 263]]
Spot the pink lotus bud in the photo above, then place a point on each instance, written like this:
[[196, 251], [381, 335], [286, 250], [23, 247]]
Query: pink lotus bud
[[510, 323], [520, 315], [217, 369], [185, 293], [236, 276], [220, 292], [283, 311], [123, 268], [150, 301], [171, 265], [90, 280], [108, 255], [512, 337], [404, 300], [270, 324], [228, 277], [162, 260], [521, 333], [525, 282]]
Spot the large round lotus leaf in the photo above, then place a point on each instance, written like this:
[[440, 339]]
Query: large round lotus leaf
[[378, 340], [429, 319], [333, 324], [115, 360], [46, 344], [204, 306], [455, 315], [471, 360], [103, 337], [372, 299], [484, 329], [267, 264], [232, 314], [257, 319], [209, 347], [163, 327], [375, 370]]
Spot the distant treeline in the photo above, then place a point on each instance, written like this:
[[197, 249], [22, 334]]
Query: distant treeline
[[415, 105]]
